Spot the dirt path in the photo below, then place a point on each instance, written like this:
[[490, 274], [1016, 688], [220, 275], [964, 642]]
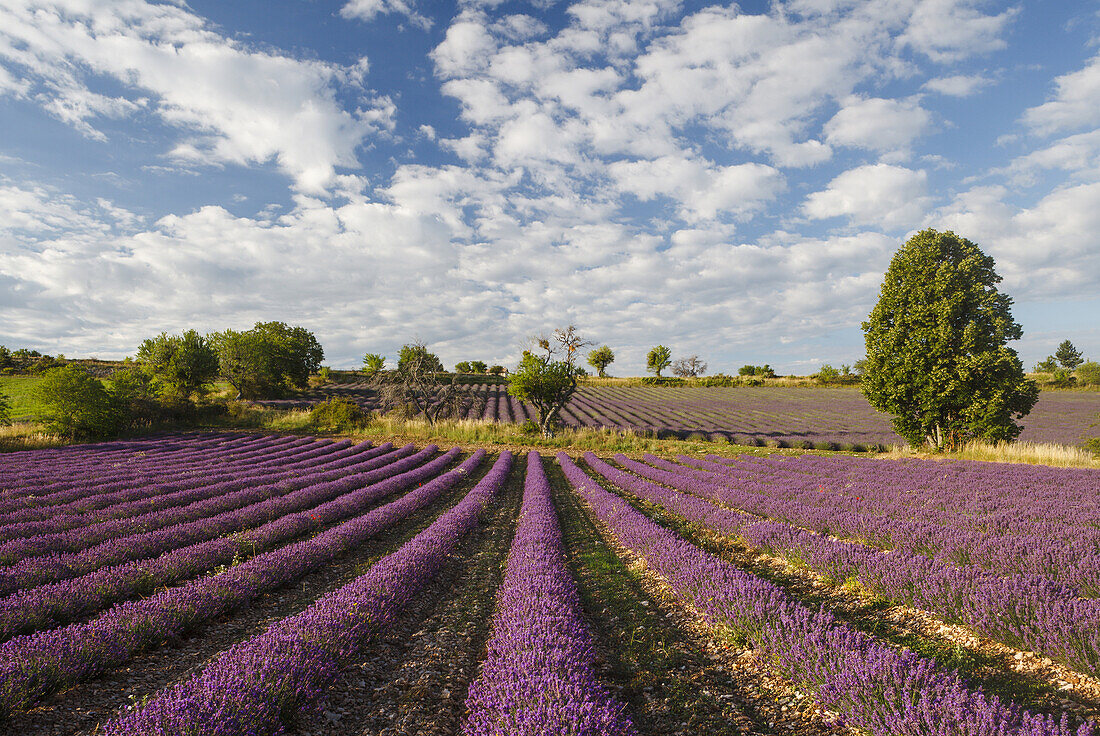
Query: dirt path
[[414, 679]]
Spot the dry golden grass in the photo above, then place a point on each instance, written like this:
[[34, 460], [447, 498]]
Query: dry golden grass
[[28, 436], [1031, 453]]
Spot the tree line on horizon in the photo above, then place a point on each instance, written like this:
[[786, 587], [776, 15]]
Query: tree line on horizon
[[937, 360]]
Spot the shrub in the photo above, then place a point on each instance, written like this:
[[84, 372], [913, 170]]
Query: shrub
[[719, 379], [663, 381], [76, 404], [1093, 445], [337, 415], [1088, 374], [5, 411], [1046, 366], [373, 362]]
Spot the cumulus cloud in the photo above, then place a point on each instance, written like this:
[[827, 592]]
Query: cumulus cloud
[[1074, 105], [231, 104], [891, 197], [878, 124], [951, 30]]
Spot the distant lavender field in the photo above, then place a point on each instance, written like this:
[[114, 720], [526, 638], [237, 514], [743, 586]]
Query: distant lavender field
[[837, 418]]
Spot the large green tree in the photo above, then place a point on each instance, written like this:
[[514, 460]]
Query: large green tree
[[269, 360], [185, 364], [937, 357]]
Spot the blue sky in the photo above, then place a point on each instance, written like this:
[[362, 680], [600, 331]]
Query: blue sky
[[729, 180]]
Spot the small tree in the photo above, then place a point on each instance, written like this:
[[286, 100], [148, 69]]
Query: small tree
[[373, 362], [76, 404], [5, 357], [463, 367], [186, 364], [416, 356], [936, 353], [600, 358], [496, 370], [478, 366], [549, 379], [420, 382], [658, 358], [1046, 366], [689, 367], [1068, 356]]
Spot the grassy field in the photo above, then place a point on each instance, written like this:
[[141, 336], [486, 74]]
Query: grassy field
[[18, 390]]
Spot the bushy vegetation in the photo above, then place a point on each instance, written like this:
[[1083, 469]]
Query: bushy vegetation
[[337, 415], [1088, 373], [761, 371], [186, 365], [77, 405], [663, 381], [270, 360], [373, 362]]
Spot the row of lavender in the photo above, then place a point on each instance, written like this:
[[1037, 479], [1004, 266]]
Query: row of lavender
[[882, 690], [336, 511], [539, 675], [1027, 611], [1008, 519], [257, 685]]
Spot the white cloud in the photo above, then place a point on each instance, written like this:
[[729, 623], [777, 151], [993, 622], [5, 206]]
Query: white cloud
[[367, 10], [701, 190], [879, 195], [1044, 251], [232, 104], [958, 85], [878, 124], [952, 30], [1076, 102]]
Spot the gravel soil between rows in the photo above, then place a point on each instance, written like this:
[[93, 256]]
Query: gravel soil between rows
[[664, 662], [1030, 680], [413, 680], [82, 710]]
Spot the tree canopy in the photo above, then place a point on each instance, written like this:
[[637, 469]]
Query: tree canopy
[[936, 346], [658, 358], [1069, 356], [185, 364], [548, 380], [268, 360], [600, 358]]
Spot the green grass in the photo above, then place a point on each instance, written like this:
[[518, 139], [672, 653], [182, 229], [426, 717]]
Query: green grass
[[18, 391]]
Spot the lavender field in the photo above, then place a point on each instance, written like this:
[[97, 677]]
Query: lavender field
[[804, 417], [218, 583]]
